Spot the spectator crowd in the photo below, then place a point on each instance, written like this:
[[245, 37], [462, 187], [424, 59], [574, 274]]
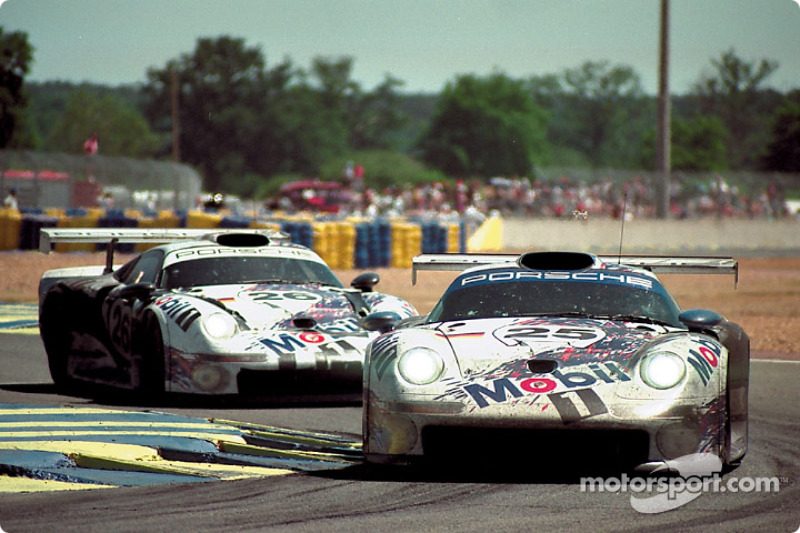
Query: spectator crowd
[[564, 197]]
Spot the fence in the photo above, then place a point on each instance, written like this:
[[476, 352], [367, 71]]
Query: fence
[[45, 180]]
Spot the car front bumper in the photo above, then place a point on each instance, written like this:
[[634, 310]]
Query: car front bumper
[[263, 374], [628, 431]]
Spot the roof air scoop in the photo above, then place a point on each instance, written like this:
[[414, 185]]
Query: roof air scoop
[[241, 240], [556, 261]]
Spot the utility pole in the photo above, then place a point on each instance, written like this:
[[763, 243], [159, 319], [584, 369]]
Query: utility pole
[[663, 164], [176, 129], [176, 122]]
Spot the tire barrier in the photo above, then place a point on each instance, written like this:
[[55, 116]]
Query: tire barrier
[[10, 229], [300, 232], [406, 243], [29, 230], [343, 243], [78, 218], [117, 218]]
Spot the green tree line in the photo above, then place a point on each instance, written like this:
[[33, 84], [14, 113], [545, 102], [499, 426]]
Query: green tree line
[[248, 124]]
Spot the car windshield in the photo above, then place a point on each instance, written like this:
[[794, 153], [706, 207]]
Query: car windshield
[[556, 298], [244, 269]]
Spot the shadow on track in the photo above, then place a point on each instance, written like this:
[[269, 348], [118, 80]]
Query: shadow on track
[[344, 397], [522, 471]]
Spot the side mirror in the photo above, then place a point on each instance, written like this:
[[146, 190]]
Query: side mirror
[[381, 321], [139, 291], [366, 281], [700, 319]]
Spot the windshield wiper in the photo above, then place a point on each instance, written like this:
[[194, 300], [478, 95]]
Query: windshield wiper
[[605, 316], [274, 280], [639, 318], [578, 314]]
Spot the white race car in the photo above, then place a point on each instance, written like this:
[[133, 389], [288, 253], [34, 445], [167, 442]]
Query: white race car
[[555, 356], [222, 313]]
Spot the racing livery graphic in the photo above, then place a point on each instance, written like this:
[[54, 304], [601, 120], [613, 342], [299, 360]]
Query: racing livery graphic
[[558, 352], [220, 313]]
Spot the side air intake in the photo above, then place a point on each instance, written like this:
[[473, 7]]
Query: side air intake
[[556, 261]]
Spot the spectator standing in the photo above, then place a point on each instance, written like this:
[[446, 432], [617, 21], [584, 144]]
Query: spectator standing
[[107, 200], [10, 201], [91, 145]]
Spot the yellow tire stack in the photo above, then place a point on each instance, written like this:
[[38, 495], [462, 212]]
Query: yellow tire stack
[[453, 238], [345, 247], [323, 242], [165, 219], [406, 243], [88, 220], [199, 219], [10, 228]]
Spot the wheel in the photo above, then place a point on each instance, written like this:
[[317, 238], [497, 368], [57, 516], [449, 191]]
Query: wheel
[[737, 342], [151, 360], [55, 327]]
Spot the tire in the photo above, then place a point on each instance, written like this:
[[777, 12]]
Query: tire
[[737, 342], [55, 328], [152, 369]]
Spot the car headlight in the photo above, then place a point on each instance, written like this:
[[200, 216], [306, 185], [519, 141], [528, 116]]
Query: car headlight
[[420, 366], [662, 370], [219, 326]]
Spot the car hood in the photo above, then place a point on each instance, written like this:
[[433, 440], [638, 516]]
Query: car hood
[[274, 306], [503, 346]]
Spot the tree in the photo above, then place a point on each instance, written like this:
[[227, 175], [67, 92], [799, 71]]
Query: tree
[[484, 127], [783, 151], [731, 91], [221, 91], [239, 117], [595, 110], [121, 129], [305, 133], [376, 116], [368, 119], [383, 168], [698, 144], [16, 55]]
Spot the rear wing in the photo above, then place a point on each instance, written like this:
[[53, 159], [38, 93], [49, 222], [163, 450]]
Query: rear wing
[[113, 236], [660, 264]]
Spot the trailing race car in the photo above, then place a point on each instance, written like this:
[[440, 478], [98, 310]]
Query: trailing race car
[[555, 355], [225, 313]]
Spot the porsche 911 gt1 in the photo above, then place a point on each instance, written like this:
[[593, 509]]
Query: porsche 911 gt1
[[208, 313]]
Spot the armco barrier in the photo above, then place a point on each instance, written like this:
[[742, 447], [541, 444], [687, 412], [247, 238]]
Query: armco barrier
[[343, 244]]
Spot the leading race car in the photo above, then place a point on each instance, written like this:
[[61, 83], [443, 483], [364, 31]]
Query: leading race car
[[225, 313], [557, 356]]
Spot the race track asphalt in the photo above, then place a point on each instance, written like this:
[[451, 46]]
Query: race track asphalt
[[357, 498]]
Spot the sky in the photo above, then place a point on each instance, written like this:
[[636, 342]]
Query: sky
[[424, 43]]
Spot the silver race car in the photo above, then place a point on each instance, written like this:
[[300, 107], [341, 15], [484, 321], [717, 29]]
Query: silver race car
[[557, 354], [222, 313]]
